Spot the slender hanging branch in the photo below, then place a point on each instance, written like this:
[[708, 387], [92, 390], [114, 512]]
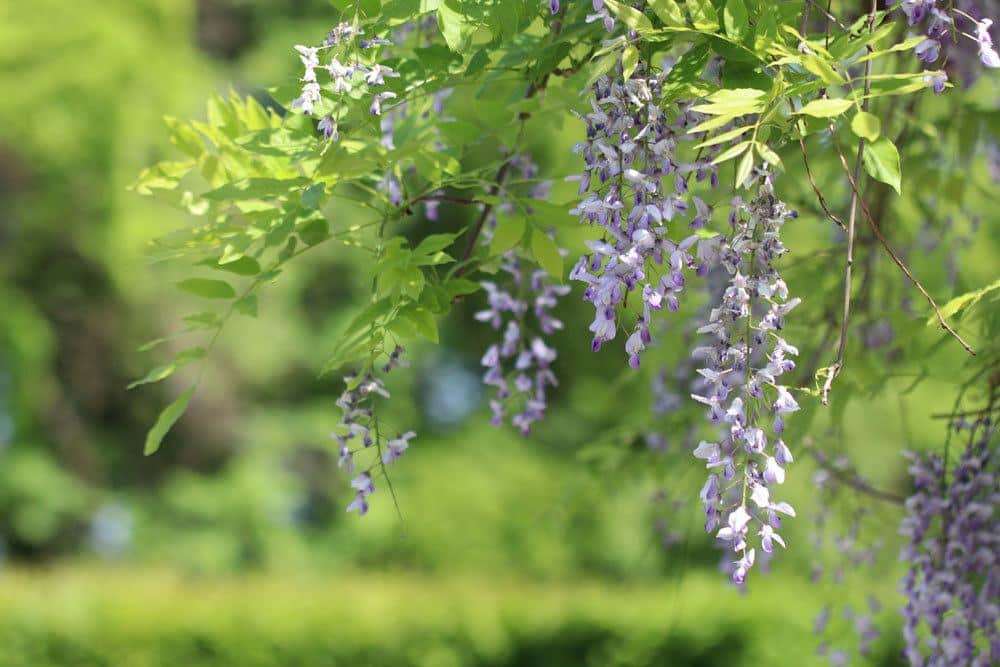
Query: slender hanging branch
[[838, 365]]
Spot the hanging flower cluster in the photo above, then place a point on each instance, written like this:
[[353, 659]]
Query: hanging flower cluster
[[519, 366], [358, 425], [744, 360], [953, 554], [947, 24], [630, 154], [346, 71]]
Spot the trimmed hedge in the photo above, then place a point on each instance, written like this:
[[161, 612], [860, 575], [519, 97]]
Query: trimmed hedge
[[132, 618]]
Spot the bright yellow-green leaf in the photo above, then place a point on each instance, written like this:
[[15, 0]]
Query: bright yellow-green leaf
[[866, 125], [744, 169], [669, 12], [769, 155], [631, 17], [630, 58], [703, 14], [732, 152], [826, 108], [963, 302]]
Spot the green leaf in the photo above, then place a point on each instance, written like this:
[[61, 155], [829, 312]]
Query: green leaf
[[769, 155], [733, 103], [546, 253], [736, 19], [881, 160], [722, 138], [206, 321], [631, 17], [434, 243], [866, 125], [731, 152], [423, 321], [703, 14], [630, 59], [247, 305], [509, 231], [455, 29], [690, 65], [166, 420], [744, 169], [185, 137], [312, 197], [163, 372], [314, 231], [669, 12], [207, 288], [243, 265], [822, 69], [460, 287], [826, 108], [963, 302]]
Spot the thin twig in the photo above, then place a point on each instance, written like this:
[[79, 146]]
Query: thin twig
[[819, 194], [899, 262], [854, 481], [501, 174], [838, 365], [968, 413], [827, 14]]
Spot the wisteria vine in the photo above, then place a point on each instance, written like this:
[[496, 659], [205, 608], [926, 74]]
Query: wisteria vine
[[668, 96]]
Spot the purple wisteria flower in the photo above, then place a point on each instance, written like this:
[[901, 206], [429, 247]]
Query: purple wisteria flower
[[744, 360], [520, 304], [519, 366], [359, 424], [952, 612], [344, 76], [948, 28], [635, 186]]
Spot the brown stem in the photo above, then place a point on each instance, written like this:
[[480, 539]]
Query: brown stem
[[899, 262], [838, 365], [853, 481]]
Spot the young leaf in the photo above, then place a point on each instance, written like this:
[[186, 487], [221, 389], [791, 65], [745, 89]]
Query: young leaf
[[881, 160], [207, 288], [630, 58], [633, 18], [423, 321], [731, 152], [826, 108], [243, 265], [455, 28], [769, 155], [509, 231], [963, 302], [546, 253], [736, 19], [669, 12], [744, 169], [866, 125], [163, 372], [166, 420], [434, 243], [703, 14]]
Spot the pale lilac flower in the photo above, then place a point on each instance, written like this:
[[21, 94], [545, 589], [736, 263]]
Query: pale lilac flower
[[928, 51], [394, 448]]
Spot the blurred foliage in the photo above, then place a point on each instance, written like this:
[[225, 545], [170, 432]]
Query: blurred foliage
[[93, 617]]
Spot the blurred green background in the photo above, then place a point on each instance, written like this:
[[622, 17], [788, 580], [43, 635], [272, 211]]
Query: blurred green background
[[231, 546]]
